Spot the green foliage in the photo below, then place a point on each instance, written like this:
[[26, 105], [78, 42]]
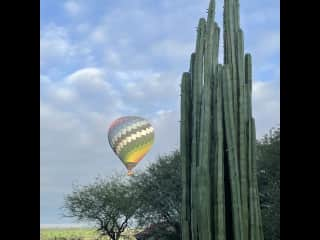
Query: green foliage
[[268, 159], [109, 204], [158, 190]]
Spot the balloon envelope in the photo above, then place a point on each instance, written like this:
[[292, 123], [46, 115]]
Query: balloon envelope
[[130, 138]]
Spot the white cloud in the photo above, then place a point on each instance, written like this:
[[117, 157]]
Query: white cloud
[[72, 7], [65, 94], [166, 125], [172, 48], [87, 89], [82, 27], [99, 34], [55, 119], [268, 67], [58, 93], [258, 16], [54, 42], [150, 85], [269, 43], [162, 113], [112, 58], [58, 50], [92, 78], [266, 45], [44, 79], [73, 146], [266, 105]]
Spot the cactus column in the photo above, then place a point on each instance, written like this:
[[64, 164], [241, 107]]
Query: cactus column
[[220, 197]]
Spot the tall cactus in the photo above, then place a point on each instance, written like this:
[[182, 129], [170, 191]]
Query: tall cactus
[[220, 193]]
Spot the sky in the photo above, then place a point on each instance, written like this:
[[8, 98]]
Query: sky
[[103, 59]]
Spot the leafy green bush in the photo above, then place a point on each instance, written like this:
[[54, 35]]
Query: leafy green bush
[[268, 160]]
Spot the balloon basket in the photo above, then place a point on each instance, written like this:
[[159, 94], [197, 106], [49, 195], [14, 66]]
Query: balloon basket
[[130, 173]]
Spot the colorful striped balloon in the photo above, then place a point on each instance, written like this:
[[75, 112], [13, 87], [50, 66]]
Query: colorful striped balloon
[[131, 139]]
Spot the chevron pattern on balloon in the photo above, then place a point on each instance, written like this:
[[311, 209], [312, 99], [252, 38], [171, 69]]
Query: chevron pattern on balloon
[[131, 138], [129, 130]]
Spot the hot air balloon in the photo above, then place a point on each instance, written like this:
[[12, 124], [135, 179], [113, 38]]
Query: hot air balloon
[[130, 138]]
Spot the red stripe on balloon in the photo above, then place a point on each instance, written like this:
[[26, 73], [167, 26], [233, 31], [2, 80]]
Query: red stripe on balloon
[[116, 122]]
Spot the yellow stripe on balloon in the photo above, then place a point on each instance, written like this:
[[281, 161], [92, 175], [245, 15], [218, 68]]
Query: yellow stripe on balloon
[[136, 156]]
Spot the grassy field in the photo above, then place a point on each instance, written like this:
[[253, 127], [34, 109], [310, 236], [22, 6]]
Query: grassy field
[[78, 234]]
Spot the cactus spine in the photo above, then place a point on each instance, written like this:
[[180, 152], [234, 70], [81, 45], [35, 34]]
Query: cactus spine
[[220, 194]]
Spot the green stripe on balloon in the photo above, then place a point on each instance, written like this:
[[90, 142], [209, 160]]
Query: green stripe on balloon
[[138, 148], [135, 144]]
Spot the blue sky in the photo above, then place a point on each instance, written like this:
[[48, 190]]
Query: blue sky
[[102, 59]]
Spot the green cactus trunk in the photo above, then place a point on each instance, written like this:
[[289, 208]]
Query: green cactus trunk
[[220, 194], [186, 153]]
